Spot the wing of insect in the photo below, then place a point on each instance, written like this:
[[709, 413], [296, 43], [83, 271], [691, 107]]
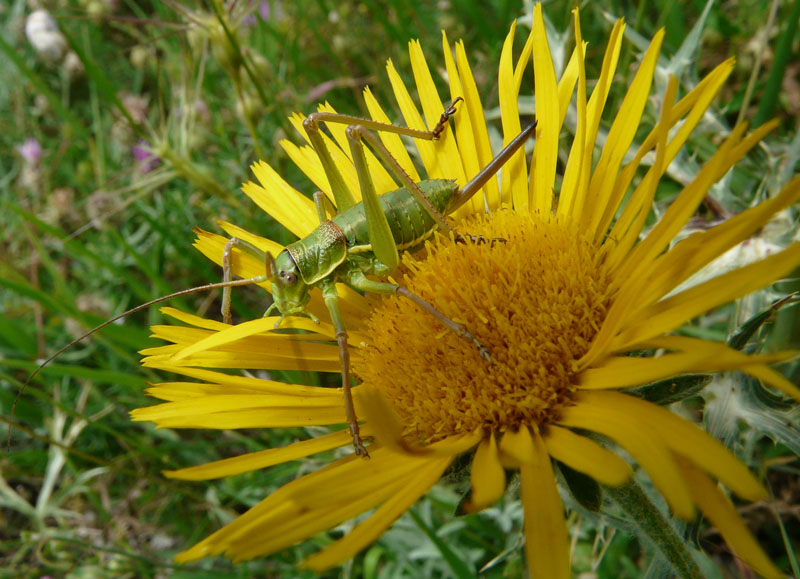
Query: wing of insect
[[364, 238]]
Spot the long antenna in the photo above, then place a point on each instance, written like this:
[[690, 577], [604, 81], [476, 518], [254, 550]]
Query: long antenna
[[193, 290]]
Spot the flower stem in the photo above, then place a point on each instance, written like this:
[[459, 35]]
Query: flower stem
[[646, 518]]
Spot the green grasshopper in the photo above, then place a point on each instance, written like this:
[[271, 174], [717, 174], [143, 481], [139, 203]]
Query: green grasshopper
[[358, 240], [364, 238]]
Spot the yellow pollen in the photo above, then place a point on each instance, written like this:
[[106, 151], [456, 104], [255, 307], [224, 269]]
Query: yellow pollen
[[535, 297]]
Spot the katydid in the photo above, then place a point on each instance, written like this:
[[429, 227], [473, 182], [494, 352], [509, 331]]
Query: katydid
[[364, 238]]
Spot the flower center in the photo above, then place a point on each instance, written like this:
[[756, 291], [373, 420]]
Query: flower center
[[535, 297]]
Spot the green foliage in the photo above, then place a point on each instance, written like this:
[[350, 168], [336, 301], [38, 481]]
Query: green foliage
[[90, 231]]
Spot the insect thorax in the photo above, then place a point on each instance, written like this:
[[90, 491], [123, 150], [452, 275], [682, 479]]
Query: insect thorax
[[319, 253]]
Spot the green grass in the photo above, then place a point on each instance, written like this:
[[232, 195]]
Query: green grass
[[88, 234]]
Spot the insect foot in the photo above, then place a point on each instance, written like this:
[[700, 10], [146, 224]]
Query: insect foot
[[478, 239], [358, 444], [448, 112], [482, 350]]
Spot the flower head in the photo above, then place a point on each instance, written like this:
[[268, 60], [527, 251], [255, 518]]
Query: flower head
[[563, 294], [144, 157], [31, 151]]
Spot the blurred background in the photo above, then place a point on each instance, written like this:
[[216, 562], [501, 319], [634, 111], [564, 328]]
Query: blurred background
[[124, 124]]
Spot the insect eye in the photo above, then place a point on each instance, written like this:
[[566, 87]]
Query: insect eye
[[289, 278]]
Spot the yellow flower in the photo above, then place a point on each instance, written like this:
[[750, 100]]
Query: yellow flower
[[561, 300]]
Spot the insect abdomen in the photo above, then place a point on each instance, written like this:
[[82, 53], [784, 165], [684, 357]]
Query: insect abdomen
[[408, 220]]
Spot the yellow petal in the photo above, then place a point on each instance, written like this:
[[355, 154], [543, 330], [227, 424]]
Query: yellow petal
[[586, 456], [487, 476], [308, 160], [570, 200], [628, 228], [413, 487], [474, 109], [389, 431], [326, 406], [515, 447], [514, 178], [275, 351], [695, 104], [625, 371], [566, 85], [622, 132], [686, 439], [261, 243], [263, 458], [691, 254], [280, 200], [685, 205], [467, 149], [243, 263], [447, 159], [221, 383], [546, 546], [723, 515], [251, 418], [645, 284], [412, 117], [248, 329], [774, 379], [597, 103], [698, 356], [545, 154], [311, 504], [193, 320], [674, 311], [596, 411]]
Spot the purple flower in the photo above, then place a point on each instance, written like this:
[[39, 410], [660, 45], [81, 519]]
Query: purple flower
[[30, 150], [146, 159], [263, 13]]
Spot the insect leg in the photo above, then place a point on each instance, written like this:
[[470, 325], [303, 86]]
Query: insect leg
[[227, 271], [357, 132], [429, 135], [481, 240], [359, 281], [448, 112], [324, 207], [344, 199], [331, 298], [380, 234]]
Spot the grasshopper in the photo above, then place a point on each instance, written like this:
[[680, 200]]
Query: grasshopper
[[361, 239]]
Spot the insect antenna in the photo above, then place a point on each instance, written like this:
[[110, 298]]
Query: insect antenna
[[193, 290], [479, 180]]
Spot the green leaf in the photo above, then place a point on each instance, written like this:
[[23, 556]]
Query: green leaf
[[672, 390], [783, 56], [459, 568], [584, 488]]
